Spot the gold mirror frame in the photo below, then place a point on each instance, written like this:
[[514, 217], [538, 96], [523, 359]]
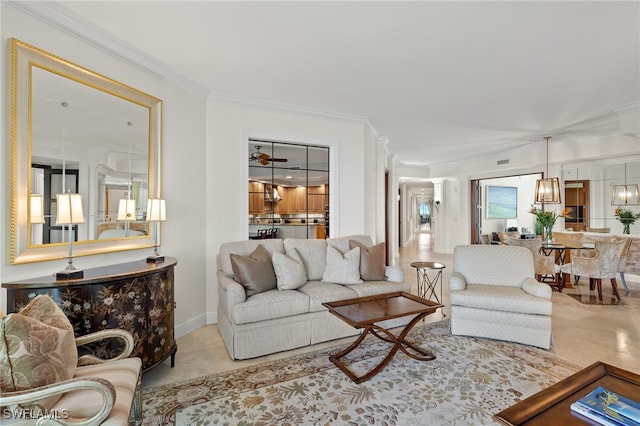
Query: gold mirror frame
[[22, 58]]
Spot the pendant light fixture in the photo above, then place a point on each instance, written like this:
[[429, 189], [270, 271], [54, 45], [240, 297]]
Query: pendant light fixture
[[547, 189], [624, 194]]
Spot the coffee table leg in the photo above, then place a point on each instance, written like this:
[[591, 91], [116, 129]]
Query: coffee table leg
[[399, 344]]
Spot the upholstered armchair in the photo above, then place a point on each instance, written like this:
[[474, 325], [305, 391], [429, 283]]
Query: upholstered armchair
[[623, 262], [603, 262], [504, 236], [493, 294], [543, 266], [93, 391]]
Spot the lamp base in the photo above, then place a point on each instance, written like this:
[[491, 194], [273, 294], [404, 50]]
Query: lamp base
[[69, 275], [155, 259]]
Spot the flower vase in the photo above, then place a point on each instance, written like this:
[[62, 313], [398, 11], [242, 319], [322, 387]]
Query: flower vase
[[548, 234], [625, 228]]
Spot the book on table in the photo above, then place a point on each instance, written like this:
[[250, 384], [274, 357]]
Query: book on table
[[590, 414], [604, 404]]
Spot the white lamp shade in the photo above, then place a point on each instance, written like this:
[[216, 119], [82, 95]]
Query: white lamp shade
[[548, 190], [36, 209], [624, 194], [69, 209], [127, 209], [156, 210]]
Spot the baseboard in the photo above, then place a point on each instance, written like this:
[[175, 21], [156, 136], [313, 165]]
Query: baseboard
[[191, 325]]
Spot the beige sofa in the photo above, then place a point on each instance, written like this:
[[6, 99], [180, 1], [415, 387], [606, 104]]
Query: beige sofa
[[281, 319], [493, 293]]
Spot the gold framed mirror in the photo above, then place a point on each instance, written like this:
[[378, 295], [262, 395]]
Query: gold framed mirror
[[74, 129]]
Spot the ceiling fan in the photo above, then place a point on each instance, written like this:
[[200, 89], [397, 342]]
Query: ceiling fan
[[264, 159]]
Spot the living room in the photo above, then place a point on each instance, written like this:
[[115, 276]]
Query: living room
[[209, 132]]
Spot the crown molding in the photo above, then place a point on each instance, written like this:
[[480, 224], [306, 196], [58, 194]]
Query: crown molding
[[290, 107], [59, 17]]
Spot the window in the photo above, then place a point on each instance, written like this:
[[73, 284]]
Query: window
[[288, 190]]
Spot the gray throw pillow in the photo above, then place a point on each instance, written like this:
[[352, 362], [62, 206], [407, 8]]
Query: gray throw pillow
[[255, 272], [372, 261]]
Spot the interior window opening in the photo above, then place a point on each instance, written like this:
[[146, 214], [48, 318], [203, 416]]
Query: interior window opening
[[288, 190]]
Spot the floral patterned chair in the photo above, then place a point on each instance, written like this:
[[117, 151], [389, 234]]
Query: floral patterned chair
[[41, 374]]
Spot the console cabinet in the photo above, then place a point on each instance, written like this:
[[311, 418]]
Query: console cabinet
[[134, 296]]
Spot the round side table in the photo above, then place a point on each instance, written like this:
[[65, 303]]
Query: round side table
[[427, 284]]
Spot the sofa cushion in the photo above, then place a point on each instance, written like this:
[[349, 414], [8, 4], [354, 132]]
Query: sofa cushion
[[342, 268], [313, 254], [500, 298], [372, 261], [37, 348], [244, 248], [370, 288], [290, 273], [320, 292], [269, 305], [255, 272]]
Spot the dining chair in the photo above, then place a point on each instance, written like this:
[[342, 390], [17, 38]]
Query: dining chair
[[604, 264], [623, 263], [544, 266]]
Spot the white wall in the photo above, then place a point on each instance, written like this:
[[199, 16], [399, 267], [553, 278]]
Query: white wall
[[526, 190], [229, 126], [183, 169]]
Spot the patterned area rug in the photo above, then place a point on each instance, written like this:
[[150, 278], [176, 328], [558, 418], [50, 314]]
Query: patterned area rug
[[470, 380]]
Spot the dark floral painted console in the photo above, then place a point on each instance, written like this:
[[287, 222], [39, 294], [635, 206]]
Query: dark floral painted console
[[134, 296]]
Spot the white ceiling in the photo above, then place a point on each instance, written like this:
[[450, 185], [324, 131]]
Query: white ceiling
[[443, 81]]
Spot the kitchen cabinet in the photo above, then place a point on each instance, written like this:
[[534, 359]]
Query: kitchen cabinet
[[297, 199], [318, 197], [256, 197]]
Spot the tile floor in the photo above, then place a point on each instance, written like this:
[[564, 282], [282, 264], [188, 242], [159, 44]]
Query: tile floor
[[583, 333]]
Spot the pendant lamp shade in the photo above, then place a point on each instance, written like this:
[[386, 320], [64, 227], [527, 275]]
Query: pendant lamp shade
[[547, 189], [625, 194]]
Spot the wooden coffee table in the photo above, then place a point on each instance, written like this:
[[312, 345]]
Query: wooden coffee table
[[365, 312], [552, 406]]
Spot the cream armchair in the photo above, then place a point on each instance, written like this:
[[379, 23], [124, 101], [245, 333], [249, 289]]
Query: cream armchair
[[101, 392], [493, 294]]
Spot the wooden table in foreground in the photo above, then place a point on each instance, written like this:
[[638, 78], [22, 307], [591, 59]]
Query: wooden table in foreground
[[552, 406], [365, 312]]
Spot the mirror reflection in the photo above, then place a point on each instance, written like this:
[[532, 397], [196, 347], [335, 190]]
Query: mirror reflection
[[74, 130], [588, 193], [73, 125]]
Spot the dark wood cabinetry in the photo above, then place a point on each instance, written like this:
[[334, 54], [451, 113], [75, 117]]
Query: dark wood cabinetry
[[134, 296], [576, 198]]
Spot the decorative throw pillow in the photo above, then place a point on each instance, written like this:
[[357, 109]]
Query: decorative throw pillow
[[37, 348], [342, 269], [372, 261], [290, 273], [255, 272]]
